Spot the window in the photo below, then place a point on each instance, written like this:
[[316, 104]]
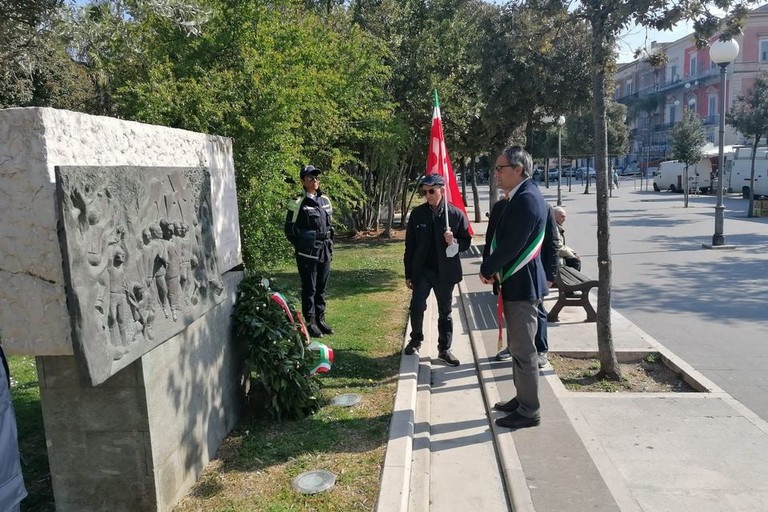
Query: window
[[692, 65], [671, 114], [627, 88], [764, 50], [673, 73], [712, 111]]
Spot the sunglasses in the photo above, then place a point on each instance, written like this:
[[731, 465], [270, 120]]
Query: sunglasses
[[312, 178], [429, 191], [499, 168]]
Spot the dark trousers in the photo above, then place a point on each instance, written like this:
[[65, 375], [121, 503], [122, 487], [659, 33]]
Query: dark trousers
[[422, 286], [541, 329], [314, 280], [573, 263]]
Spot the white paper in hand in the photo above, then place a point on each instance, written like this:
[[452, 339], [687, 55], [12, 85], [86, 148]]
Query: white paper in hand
[[452, 250]]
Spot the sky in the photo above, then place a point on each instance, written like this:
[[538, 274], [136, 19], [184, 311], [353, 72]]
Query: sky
[[640, 37]]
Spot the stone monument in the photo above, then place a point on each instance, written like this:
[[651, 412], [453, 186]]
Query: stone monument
[[119, 265]]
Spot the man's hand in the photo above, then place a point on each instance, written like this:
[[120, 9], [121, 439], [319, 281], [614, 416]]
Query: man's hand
[[486, 280], [409, 284], [448, 237], [550, 284]]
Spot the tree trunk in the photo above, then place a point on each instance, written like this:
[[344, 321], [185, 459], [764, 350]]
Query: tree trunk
[[475, 194], [492, 184], [390, 202], [463, 170], [602, 48], [750, 212]]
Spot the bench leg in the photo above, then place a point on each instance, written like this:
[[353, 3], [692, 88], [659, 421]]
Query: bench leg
[[553, 314], [591, 314]]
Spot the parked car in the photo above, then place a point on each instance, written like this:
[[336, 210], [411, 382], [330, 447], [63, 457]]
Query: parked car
[[553, 174], [629, 171], [568, 172], [582, 172]]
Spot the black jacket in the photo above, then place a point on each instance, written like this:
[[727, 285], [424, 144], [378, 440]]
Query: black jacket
[[425, 236], [308, 227], [516, 222]]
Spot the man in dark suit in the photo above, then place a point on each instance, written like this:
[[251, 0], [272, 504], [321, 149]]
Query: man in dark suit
[[514, 260], [550, 261]]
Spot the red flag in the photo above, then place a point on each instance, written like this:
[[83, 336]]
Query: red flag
[[438, 162]]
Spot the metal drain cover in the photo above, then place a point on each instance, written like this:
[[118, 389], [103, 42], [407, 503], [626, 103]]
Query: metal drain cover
[[346, 399], [312, 482]]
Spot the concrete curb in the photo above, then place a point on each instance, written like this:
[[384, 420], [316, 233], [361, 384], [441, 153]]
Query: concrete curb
[[509, 461], [396, 472], [400, 487]]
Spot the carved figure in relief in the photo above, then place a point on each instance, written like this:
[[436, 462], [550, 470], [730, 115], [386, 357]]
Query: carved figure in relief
[[141, 308], [173, 272], [184, 248], [117, 285], [159, 259], [209, 249]]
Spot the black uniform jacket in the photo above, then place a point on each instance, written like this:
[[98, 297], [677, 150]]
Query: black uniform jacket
[[308, 227], [426, 227], [516, 223]]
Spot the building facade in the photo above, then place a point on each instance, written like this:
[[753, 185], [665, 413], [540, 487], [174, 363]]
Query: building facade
[[657, 96]]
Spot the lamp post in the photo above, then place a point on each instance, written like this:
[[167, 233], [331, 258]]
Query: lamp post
[[560, 123], [722, 53]]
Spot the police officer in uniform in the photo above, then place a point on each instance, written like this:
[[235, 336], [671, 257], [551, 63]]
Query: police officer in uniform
[[308, 228]]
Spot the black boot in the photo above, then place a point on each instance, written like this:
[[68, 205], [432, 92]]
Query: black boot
[[312, 329], [323, 325]]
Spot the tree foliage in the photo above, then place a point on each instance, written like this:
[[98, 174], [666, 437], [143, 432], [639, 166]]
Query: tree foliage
[[688, 137], [607, 20], [750, 116]]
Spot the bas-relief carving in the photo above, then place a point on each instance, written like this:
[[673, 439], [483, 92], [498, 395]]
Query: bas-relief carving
[[139, 259]]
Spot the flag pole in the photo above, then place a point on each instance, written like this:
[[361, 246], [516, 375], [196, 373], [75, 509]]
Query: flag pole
[[444, 164], [453, 249]]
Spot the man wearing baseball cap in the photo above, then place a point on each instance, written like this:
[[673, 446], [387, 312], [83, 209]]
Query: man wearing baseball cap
[[427, 267], [308, 228]]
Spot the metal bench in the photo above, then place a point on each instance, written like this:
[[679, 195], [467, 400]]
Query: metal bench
[[573, 290]]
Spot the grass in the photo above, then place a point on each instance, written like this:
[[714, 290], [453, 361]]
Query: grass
[[25, 393], [253, 469], [255, 465]]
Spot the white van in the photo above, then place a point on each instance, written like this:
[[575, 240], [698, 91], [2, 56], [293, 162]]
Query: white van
[[742, 170], [670, 176]]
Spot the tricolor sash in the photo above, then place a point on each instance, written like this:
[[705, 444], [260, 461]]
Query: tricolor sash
[[530, 252]]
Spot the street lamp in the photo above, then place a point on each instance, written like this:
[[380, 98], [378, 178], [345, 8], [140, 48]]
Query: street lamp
[[560, 123], [721, 53]]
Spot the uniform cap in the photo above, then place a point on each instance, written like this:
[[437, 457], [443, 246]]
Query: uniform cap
[[309, 170]]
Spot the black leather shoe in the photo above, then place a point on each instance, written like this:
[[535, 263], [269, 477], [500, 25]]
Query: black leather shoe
[[449, 358], [510, 406], [323, 326], [314, 331], [516, 420], [412, 347]]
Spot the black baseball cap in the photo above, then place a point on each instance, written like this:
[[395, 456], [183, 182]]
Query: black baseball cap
[[433, 180]]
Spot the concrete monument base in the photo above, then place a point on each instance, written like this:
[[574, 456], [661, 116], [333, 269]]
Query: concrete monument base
[[139, 439]]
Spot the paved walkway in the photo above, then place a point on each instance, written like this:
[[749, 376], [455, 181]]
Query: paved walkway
[[700, 451]]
